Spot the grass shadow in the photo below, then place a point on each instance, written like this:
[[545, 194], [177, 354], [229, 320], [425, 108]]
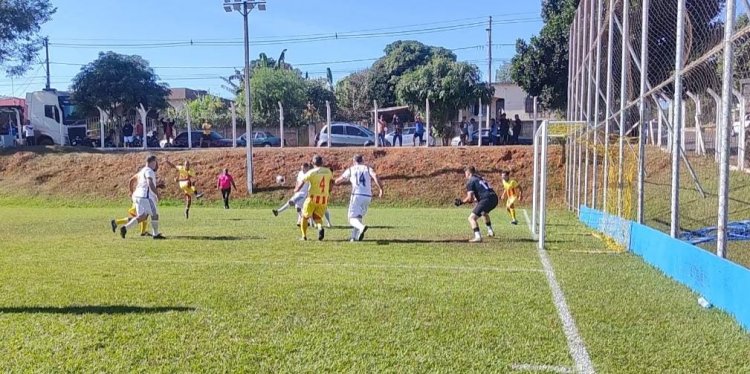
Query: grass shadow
[[93, 309], [215, 238]]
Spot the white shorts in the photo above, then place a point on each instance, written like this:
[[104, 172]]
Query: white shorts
[[145, 206], [127, 139], [358, 205], [298, 199]]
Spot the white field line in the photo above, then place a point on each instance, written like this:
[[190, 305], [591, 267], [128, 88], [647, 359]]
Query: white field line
[[576, 345], [543, 368], [354, 265]]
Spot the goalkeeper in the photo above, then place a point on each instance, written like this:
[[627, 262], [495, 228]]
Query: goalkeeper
[[479, 191]]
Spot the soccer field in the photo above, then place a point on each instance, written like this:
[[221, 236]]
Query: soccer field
[[235, 291]]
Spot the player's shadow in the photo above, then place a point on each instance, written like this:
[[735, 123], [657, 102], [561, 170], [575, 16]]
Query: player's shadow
[[368, 227], [94, 309], [215, 238]]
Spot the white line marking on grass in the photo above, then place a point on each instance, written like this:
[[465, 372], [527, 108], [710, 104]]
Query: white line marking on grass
[[576, 345], [547, 368], [353, 265], [594, 252]]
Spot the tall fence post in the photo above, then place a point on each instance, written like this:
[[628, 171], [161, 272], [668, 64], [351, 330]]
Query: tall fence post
[[677, 124], [595, 172], [542, 188], [742, 135], [609, 103], [234, 125], [717, 121], [624, 70], [190, 129], [328, 123], [427, 120], [643, 115], [726, 128], [589, 105], [281, 124], [479, 125]]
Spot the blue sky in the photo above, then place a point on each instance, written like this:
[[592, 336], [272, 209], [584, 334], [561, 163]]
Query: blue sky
[[161, 31]]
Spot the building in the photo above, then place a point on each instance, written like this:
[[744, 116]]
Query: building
[[510, 99], [180, 96]]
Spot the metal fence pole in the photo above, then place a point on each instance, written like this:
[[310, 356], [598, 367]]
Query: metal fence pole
[[610, 102], [328, 123], [677, 122], [643, 109], [726, 128], [281, 125], [542, 188], [589, 93], [624, 70], [189, 128], [535, 191], [600, 13], [234, 125]]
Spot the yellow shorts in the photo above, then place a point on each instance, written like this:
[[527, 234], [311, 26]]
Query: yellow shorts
[[186, 187], [131, 211], [311, 209], [511, 202]]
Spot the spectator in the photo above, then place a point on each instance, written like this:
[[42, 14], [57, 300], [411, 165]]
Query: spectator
[[206, 136], [398, 131], [418, 131], [464, 136], [28, 133], [225, 183], [139, 129], [168, 130], [493, 132], [516, 130], [504, 129], [127, 134], [471, 127], [382, 127]]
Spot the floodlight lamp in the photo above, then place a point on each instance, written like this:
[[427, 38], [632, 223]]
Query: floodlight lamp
[[262, 7], [227, 8], [237, 7]]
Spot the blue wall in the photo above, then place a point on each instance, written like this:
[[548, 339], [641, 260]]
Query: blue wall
[[724, 284]]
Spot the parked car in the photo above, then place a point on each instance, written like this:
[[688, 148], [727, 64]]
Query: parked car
[[474, 138], [737, 125], [260, 139], [181, 141], [346, 135], [408, 137]]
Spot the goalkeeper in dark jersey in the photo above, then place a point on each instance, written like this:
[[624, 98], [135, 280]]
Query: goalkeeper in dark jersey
[[479, 191]]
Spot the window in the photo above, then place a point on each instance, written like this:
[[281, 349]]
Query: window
[[337, 130], [499, 107], [49, 111], [353, 131]]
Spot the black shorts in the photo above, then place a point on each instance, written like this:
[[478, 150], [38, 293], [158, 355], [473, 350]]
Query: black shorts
[[485, 206]]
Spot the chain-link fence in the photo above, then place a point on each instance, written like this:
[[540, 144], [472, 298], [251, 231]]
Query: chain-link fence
[[654, 71]]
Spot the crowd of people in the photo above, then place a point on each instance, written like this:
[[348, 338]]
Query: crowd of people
[[501, 132]]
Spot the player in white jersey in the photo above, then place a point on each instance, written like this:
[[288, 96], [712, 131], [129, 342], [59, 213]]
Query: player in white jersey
[[298, 199], [144, 203], [361, 177]]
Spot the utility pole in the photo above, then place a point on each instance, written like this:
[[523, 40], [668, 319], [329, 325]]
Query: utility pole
[[46, 52], [489, 52]]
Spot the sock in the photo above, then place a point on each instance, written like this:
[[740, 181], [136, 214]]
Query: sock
[[356, 223], [303, 227], [192, 188], [489, 227], [284, 207], [328, 217], [512, 213], [154, 227], [477, 234], [121, 221], [318, 224], [131, 223], [142, 226]]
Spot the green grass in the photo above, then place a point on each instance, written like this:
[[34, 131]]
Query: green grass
[[235, 291]]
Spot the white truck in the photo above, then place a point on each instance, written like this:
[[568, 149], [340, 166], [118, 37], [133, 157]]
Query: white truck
[[53, 116]]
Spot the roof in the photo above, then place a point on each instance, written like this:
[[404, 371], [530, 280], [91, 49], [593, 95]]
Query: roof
[[182, 93]]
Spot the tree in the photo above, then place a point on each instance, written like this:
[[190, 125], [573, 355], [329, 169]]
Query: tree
[[317, 93], [20, 21], [503, 73], [401, 57], [540, 66], [449, 85], [353, 97], [208, 107], [118, 83], [269, 86]]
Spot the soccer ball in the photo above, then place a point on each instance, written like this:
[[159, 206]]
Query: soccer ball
[[280, 180]]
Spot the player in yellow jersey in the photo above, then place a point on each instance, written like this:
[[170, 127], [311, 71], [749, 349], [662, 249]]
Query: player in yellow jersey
[[316, 204], [132, 211], [185, 177], [511, 194]]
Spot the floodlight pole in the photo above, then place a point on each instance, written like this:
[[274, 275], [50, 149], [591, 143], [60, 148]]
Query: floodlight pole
[[677, 124], [725, 129], [643, 110]]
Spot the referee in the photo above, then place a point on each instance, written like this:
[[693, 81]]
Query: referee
[[479, 191]]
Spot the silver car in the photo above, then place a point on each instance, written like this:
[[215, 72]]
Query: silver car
[[345, 135]]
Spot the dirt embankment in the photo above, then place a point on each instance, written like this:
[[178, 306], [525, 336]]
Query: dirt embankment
[[412, 176]]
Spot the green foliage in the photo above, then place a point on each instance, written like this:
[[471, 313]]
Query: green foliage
[[449, 85], [503, 73], [540, 66], [118, 83], [20, 22], [317, 93], [353, 98], [269, 86]]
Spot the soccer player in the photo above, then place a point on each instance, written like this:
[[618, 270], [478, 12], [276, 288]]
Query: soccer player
[[316, 204], [144, 204], [361, 177], [225, 182], [185, 177], [131, 212], [298, 199], [512, 192], [479, 191]]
